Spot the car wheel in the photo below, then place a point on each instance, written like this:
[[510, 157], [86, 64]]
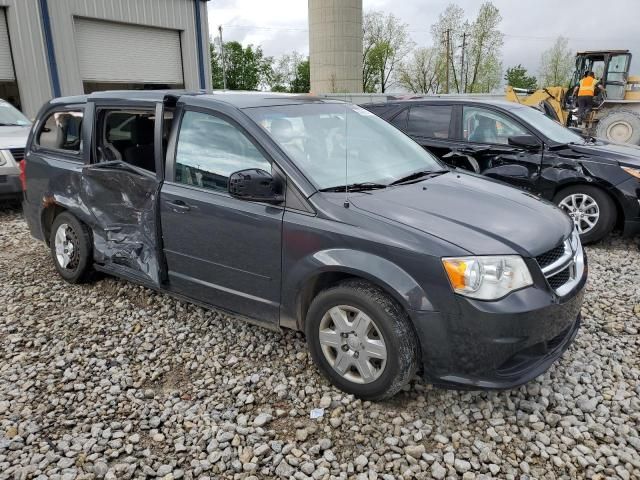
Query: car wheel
[[71, 248], [362, 340], [592, 211]]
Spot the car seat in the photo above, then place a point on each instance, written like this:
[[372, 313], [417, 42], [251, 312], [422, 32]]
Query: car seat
[[142, 154]]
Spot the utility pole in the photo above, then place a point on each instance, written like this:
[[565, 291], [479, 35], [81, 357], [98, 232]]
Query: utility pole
[[446, 83], [463, 79], [224, 63]]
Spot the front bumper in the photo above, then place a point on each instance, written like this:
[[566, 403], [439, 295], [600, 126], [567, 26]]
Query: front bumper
[[498, 345]]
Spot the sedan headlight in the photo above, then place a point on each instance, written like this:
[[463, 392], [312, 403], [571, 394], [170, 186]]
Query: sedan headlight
[[487, 278], [634, 172], [4, 155]]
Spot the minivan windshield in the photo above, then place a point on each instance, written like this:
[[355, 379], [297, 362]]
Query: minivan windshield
[[336, 144], [10, 116], [548, 127]]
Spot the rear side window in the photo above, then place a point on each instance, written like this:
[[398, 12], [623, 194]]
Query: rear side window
[[431, 121], [210, 149], [62, 131]]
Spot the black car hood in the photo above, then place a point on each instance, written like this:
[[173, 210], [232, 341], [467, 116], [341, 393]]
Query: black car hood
[[624, 154], [482, 216]]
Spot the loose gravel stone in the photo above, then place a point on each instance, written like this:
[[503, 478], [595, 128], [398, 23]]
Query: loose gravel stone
[[111, 380]]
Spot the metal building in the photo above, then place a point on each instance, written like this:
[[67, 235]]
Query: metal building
[[51, 48], [335, 45]]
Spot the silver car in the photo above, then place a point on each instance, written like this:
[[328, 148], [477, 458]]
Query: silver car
[[14, 130]]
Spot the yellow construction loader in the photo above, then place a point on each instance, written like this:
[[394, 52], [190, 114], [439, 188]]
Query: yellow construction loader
[[616, 113]]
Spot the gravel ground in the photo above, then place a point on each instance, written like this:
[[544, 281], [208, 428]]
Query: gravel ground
[[111, 380]]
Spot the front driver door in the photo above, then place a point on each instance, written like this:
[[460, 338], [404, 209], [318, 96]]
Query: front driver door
[[219, 250], [485, 133]]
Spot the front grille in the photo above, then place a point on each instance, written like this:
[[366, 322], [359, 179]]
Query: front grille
[[559, 279], [551, 256], [18, 153]]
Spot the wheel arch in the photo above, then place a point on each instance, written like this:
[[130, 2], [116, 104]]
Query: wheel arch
[[342, 264], [52, 206]]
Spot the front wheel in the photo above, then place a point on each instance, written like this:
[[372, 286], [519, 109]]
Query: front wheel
[[591, 209], [362, 340]]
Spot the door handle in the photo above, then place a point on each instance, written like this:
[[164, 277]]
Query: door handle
[[179, 206]]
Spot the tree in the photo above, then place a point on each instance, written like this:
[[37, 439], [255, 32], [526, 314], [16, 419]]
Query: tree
[[420, 73], [517, 77], [469, 52], [290, 73], [247, 68], [385, 43], [556, 64]]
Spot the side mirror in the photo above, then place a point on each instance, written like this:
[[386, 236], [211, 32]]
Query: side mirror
[[255, 185], [528, 142]]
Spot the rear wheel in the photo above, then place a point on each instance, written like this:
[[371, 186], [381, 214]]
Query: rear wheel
[[592, 211], [362, 340], [71, 248], [620, 126]]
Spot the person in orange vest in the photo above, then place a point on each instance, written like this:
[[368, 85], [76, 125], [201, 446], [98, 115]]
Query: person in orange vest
[[585, 91]]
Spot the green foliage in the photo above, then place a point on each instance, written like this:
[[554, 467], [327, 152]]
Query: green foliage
[[247, 68], [517, 77], [385, 43], [290, 73], [557, 64]]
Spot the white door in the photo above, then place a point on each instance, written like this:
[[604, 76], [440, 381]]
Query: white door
[[6, 66], [126, 53]]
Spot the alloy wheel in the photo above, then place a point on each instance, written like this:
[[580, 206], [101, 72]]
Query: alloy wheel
[[583, 210], [66, 245], [352, 344]]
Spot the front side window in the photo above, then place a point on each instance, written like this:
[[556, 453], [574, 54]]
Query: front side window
[[481, 125], [431, 121], [62, 131], [210, 149]]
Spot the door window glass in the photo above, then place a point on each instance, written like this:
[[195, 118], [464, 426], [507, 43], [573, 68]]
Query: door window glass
[[210, 149], [128, 136], [618, 67], [430, 121], [486, 126], [62, 131]]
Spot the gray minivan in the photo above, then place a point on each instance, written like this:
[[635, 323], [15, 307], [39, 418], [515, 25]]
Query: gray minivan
[[315, 215]]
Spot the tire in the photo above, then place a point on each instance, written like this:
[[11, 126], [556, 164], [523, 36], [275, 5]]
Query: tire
[[73, 264], [574, 197], [390, 334], [620, 126]]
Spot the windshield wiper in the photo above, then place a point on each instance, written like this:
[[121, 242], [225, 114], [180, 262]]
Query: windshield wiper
[[417, 175], [355, 187], [11, 124]]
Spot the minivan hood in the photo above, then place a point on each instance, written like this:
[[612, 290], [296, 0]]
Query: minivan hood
[[14, 136], [482, 216]]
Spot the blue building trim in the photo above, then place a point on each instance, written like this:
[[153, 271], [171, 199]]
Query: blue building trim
[[51, 54], [203, 84]]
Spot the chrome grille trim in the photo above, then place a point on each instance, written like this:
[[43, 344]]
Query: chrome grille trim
[[572, 260]]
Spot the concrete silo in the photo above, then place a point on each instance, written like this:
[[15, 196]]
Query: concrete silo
[[335, 45]]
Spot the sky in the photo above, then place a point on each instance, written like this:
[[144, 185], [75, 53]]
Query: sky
[[280, 26]]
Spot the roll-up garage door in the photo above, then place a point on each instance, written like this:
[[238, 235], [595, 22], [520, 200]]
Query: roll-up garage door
[[6, 65], [124, 53]]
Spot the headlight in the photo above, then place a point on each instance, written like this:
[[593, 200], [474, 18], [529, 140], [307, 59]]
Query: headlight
[[487, 278], [4, 155], [634, 172]]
